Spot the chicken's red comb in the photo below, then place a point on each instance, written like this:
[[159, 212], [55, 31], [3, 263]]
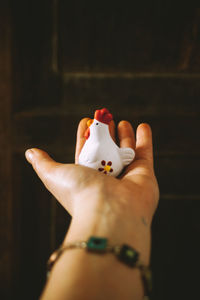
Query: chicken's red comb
[[103, 115]]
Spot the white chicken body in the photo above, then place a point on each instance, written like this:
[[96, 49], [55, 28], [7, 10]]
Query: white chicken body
[[101, 153]]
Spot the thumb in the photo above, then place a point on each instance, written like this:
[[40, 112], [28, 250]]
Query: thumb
[[51, 174], [41, 162]]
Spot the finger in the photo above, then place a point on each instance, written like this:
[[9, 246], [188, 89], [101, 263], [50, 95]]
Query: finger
[[80, 140], [112, 130], [144, 147], [126, 135]]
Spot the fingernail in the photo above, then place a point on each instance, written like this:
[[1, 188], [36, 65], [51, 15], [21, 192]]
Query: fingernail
[[29, 155]]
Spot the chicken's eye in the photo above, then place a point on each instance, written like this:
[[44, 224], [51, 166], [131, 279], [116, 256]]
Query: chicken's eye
[[97, 123]]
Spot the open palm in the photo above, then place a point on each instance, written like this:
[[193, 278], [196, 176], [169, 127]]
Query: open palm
[[82, 190]]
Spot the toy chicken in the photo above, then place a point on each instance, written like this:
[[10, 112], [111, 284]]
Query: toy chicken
[[100, 152]]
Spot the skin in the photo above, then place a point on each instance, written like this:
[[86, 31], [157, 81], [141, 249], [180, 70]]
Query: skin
[[98, 204]]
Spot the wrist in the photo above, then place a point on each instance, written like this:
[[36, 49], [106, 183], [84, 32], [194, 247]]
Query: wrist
[[117, 228]]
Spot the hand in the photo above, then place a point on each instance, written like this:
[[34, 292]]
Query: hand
[[87, 194]]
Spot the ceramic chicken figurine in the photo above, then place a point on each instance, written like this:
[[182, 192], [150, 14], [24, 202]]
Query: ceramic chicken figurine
[[100, 151]]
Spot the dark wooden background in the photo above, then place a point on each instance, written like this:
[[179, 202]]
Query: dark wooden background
[[61, 60]]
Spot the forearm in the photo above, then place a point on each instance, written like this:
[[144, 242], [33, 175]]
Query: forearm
[[79, 274]]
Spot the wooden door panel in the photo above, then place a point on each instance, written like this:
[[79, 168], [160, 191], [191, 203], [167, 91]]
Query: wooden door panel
[[137, 36]]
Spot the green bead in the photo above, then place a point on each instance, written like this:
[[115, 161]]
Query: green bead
[[97, 244], [128, 255]]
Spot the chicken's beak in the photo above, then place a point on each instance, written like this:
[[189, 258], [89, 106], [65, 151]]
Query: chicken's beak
[[89, 122]]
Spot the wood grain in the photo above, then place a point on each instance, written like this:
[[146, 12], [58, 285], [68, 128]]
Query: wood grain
[[6, 214]]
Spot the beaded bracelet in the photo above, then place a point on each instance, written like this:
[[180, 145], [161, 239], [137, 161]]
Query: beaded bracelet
[[124, 253]]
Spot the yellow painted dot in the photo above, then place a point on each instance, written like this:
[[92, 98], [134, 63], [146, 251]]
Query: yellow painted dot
[[89, 122], [107, 168]]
